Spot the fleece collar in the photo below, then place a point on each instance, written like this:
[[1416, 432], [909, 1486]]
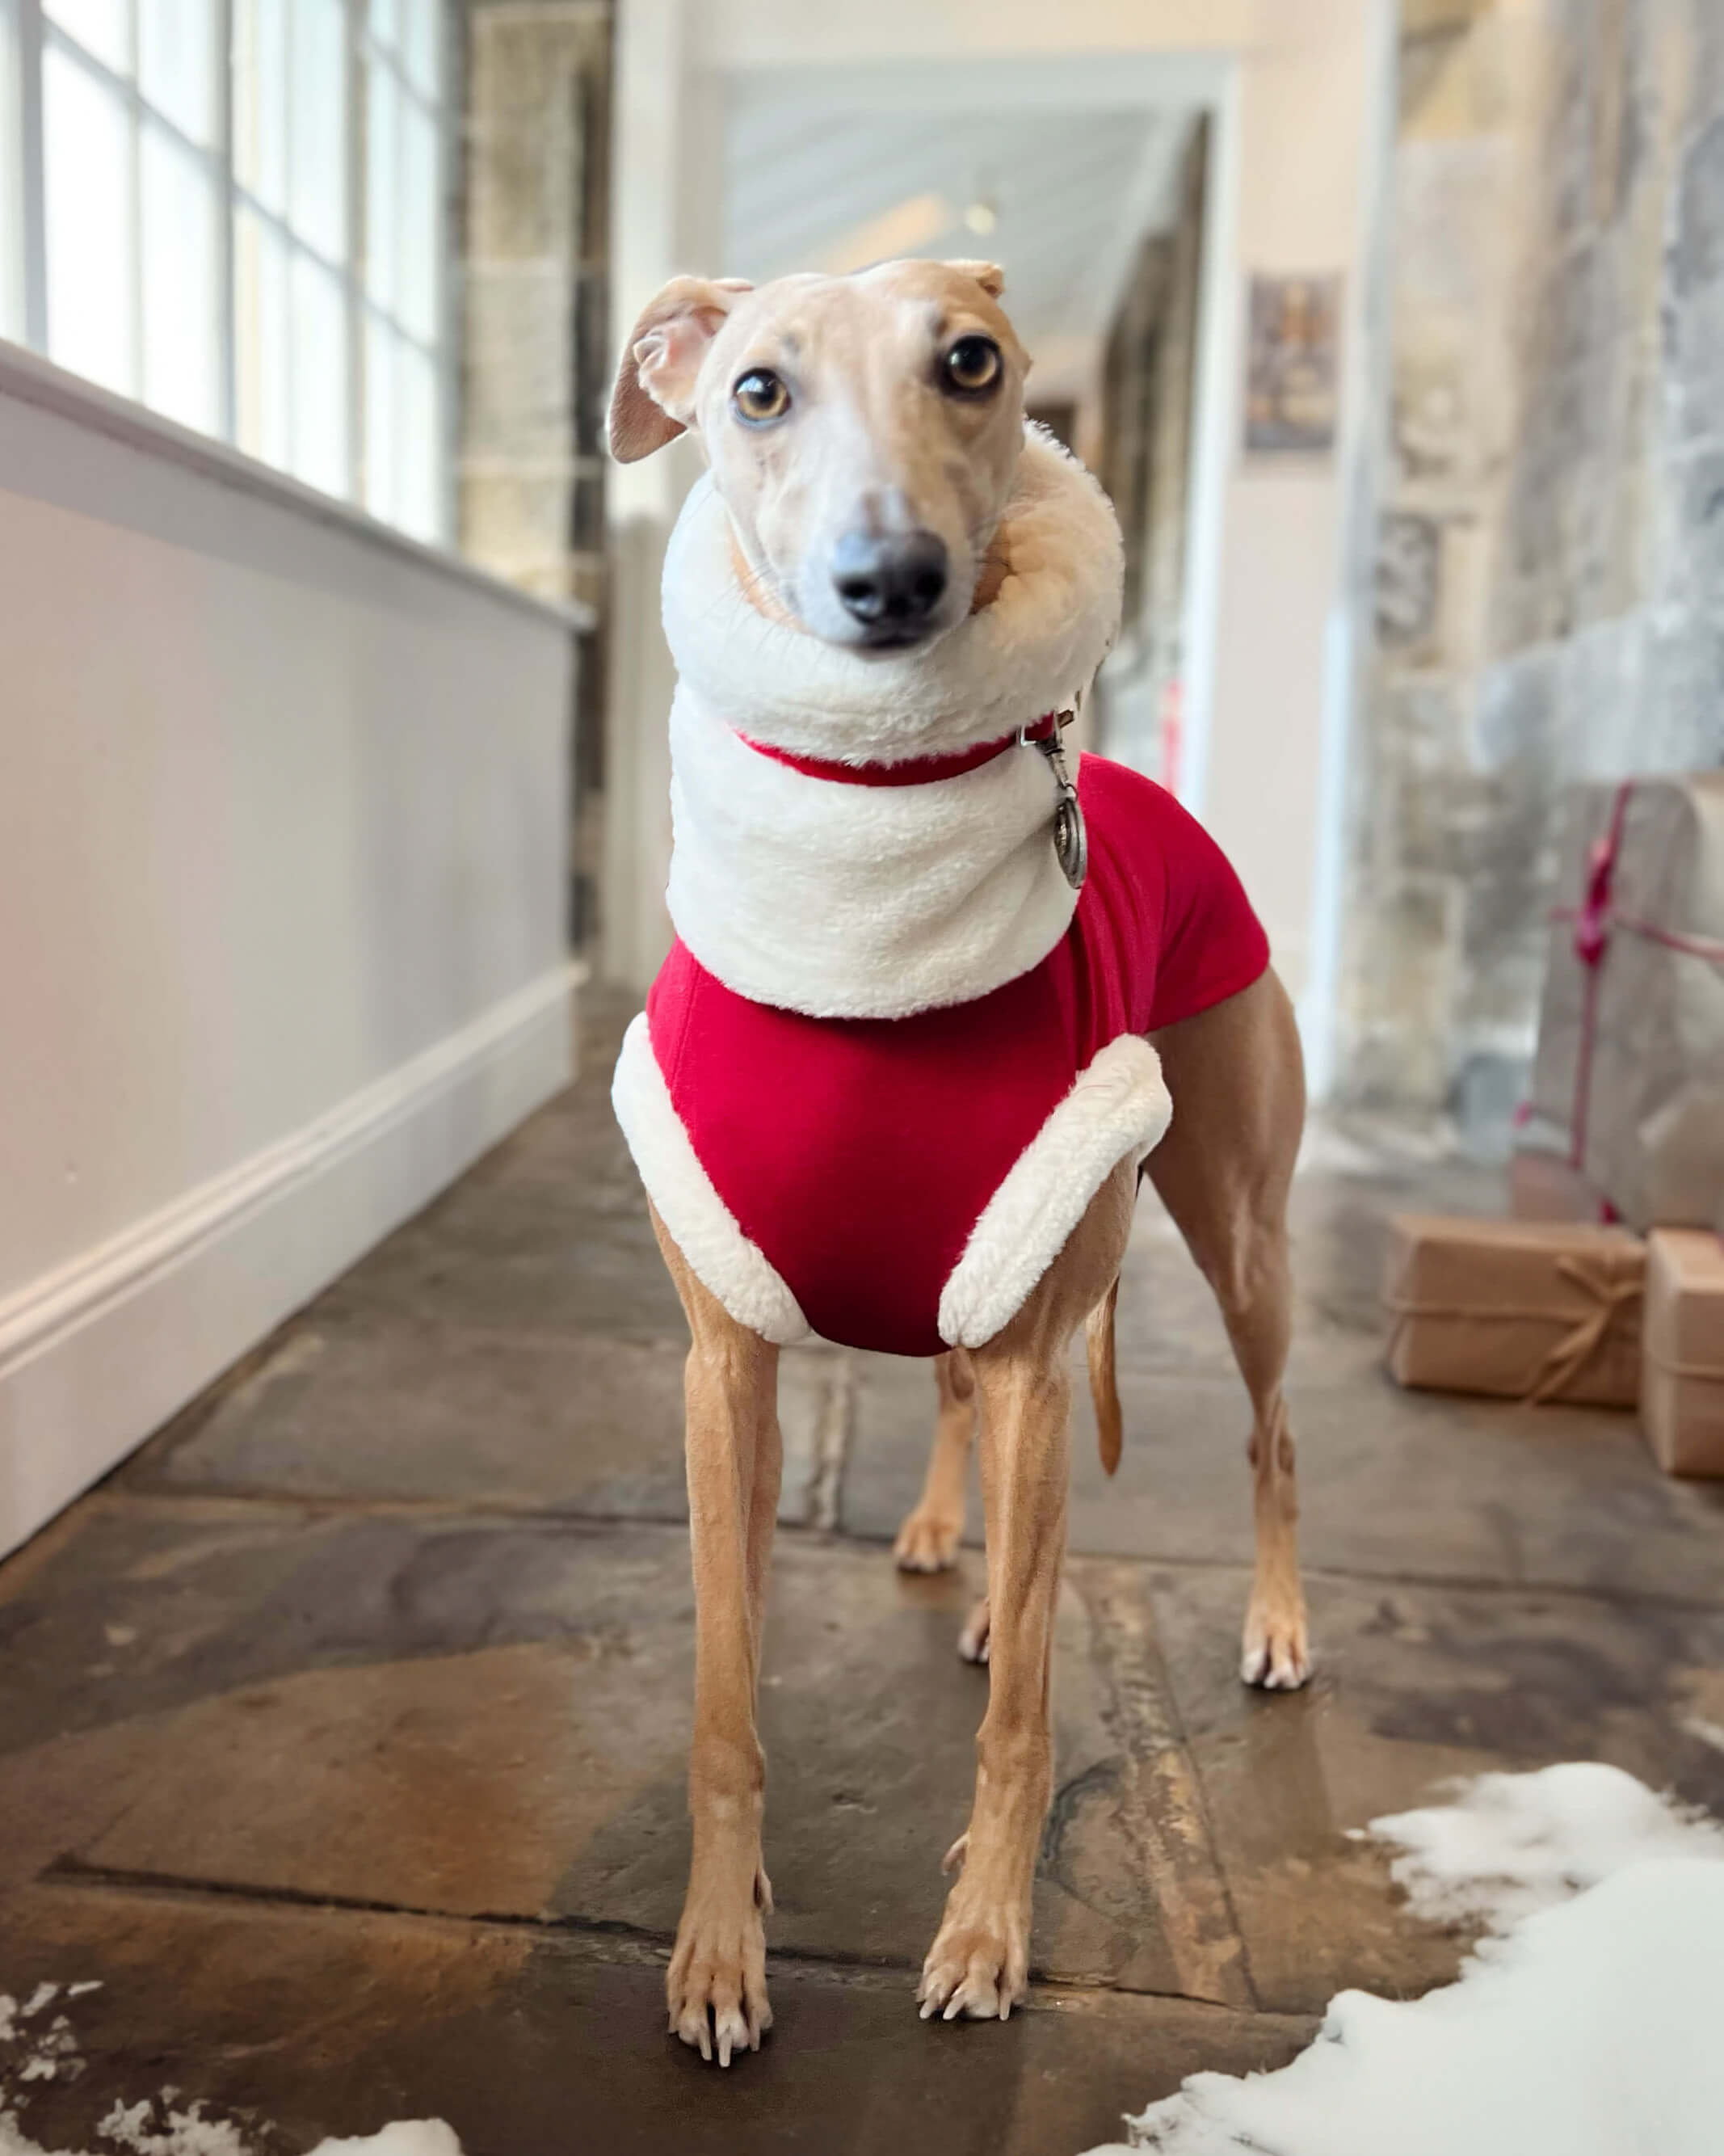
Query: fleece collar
[[875, 901], [1034, 649]]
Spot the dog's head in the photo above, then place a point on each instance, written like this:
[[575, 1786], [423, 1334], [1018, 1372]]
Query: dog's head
[[863, 432]]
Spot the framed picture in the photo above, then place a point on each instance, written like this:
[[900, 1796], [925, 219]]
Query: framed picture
[[1293, 365]]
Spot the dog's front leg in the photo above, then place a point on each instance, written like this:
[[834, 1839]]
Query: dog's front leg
[[979, 1963], [716, 1988]]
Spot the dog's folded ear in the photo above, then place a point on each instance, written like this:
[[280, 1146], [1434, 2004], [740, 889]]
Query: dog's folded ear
[[989, 275], [654, 395]]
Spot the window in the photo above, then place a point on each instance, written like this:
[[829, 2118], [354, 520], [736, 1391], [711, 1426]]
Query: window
[[232, 211]]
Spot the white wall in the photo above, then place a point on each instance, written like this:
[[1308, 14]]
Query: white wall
[[1295, 87], [283, 806], [1297, 145]]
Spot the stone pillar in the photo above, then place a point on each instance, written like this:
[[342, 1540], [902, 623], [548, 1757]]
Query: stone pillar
[[535, 335], [1149, 380]]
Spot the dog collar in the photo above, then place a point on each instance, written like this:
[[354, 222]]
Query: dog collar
[[915, 770]]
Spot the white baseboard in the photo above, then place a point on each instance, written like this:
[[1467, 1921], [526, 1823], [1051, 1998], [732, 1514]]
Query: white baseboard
[[97, 1354]]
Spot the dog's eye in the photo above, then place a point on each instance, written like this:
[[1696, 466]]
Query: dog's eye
[[760, 395], [973, 365]]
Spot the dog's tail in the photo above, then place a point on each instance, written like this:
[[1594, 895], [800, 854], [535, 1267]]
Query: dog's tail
[[1104, 1385]]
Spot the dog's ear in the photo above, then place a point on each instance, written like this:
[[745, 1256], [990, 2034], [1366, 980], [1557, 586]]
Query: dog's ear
[[989, 275], [654, 387]]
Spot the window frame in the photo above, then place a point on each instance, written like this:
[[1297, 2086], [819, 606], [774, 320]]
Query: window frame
[[27, 33]]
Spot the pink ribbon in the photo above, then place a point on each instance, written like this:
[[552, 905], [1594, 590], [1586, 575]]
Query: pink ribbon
[[1592, 940], [1595, 920]]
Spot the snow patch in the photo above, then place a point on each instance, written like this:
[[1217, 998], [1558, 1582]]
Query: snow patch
[[152, 2127], [1586, 2026], [418, 2137], [1512, 1844]]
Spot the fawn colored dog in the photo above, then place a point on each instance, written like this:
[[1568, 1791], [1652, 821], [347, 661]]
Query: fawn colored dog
[[864, 437]]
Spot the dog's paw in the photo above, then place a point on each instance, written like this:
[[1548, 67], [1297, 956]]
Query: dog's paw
[[1275, 1655], [978, 1966], [927, 1542], [716, 1988], [973, 1641]]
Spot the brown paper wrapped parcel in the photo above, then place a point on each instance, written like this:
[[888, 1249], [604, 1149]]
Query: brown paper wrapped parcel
[[1682, 1377], [1529, 1310], [1630, 1062]]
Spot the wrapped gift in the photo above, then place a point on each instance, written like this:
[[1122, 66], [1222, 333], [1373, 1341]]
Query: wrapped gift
[[1531, 1310], [1630, 1062], [1682, 1370]]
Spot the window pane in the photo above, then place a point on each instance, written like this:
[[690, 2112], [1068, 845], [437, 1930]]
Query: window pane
[[421, 30], [260, 339], [101, 26], [317, 201], [317, 314], [260, 46], [176, 43], [86, 174], [417, 506], [385, 21], [383, 200], [179, 282], [420, 226], [12, 250]]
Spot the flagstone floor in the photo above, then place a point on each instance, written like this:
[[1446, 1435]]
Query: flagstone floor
[[341, 1730]]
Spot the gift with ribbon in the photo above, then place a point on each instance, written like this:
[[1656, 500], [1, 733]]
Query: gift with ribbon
[[1682, 1379], [1630, 1063], [1528, 1310]]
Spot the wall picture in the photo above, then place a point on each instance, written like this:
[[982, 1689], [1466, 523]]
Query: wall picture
[[1293, 368]]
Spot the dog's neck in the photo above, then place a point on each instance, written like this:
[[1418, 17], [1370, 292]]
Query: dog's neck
[[845, 900]]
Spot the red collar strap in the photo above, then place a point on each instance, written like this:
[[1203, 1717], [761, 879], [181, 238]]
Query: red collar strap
[[913, 771]]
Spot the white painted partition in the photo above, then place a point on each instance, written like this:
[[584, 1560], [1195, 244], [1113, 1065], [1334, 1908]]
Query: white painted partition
[[283, 808]]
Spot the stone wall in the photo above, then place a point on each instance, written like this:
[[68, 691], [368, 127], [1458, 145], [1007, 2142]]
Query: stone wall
[[1550, 561], [535, 336]]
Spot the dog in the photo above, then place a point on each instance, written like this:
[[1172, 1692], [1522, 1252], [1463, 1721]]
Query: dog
[[898, 1081]]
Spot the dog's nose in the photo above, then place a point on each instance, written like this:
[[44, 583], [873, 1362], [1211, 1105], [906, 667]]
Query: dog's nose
[[887, 583]]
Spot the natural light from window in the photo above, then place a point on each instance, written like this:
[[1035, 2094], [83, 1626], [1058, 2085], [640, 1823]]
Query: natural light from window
[[252, 246]]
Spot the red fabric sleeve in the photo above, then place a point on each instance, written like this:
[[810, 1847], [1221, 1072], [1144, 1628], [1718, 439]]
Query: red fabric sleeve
[[1164, 925], [1213, 944]]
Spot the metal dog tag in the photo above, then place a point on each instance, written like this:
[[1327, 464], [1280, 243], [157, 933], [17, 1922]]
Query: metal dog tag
[[1071, 842]]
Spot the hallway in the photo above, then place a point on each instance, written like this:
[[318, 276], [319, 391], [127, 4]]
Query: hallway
[[342, 1728]]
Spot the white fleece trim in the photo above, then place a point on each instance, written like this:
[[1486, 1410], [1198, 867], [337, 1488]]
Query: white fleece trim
[[1117, 1109], [1031, 651], [702, 1224], [859, 901]]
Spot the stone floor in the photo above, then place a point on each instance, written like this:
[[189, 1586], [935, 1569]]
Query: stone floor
[[341, 1731]]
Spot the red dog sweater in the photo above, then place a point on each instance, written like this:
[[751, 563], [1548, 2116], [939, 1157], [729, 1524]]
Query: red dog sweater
[[858, 1154], [891, 1055]]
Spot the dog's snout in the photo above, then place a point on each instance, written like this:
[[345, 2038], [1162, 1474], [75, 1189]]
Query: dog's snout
[[890, 583]]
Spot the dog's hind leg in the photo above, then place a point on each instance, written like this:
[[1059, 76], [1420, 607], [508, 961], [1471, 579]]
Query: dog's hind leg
[[716, 1986], [928, 1540], [979, 1962], [1223, 1170], [1110, 1428]]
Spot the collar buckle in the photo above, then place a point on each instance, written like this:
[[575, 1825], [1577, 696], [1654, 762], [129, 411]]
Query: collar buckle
[[1071, 841]]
